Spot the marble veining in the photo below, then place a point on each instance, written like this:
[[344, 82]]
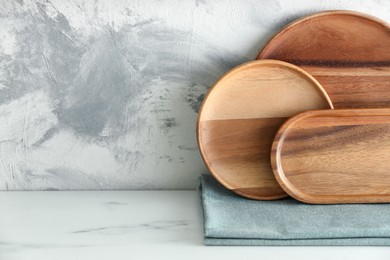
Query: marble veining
[[102, 95], [128, 228]]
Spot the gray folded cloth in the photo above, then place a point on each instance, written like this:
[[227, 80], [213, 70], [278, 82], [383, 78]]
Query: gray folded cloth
[[233, 220]]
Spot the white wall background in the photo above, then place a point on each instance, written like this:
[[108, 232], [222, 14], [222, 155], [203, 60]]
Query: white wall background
[[104, 94]]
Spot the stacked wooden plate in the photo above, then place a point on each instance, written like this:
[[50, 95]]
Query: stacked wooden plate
[[310, 118]]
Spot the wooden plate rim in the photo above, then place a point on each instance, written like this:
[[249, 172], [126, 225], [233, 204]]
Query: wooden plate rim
[[315, 15]]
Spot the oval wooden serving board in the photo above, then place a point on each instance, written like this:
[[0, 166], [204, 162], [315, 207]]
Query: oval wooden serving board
[[240, 116], [347, 52], [335, 156]]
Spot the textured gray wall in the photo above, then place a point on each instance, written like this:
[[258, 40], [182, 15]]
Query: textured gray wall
[[104, 94]]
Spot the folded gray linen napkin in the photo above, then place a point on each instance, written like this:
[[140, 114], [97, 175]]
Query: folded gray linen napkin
[[232, 220]]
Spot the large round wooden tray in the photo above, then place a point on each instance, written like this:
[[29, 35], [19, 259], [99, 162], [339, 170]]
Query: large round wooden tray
[[347, 52]]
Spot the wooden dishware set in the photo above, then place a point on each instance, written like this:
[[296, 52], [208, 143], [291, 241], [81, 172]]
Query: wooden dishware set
[[310, 118]]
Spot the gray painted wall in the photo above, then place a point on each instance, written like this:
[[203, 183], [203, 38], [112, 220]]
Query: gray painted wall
[[104, 94]]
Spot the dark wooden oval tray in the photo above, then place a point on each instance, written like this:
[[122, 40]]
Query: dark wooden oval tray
[[335, 156], [240, 116], [347, 52]]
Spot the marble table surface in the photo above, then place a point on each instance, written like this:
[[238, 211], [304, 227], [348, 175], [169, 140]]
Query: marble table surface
[[128, 225]]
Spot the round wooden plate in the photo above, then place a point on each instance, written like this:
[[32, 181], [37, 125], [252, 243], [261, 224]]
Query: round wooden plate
[[240, 116], [335, 156], [347, 52]]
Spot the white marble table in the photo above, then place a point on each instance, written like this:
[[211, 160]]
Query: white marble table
[[128, 225]]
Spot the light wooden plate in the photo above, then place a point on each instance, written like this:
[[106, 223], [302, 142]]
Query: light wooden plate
[[335, 156], [240, 116], [347, 52]]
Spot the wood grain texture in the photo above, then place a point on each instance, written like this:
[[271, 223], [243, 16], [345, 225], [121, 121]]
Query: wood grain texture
[[347, 52], [335, 156], [240, 116]]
